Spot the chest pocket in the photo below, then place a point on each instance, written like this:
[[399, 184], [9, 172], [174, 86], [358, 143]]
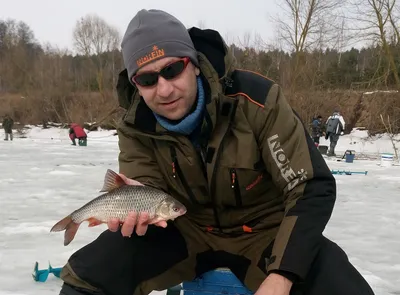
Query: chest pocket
[[243, 179], [251, 185]]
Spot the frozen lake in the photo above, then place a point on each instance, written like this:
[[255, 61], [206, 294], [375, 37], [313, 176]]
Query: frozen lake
[[43, 179]]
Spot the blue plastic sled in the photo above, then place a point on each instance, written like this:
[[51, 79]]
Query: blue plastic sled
[[220, 281], [41, 275]]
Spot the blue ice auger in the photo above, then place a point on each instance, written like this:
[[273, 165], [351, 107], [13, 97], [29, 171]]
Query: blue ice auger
[[40, 275]]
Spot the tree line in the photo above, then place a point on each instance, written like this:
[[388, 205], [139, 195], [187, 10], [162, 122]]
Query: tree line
[[312, 58]]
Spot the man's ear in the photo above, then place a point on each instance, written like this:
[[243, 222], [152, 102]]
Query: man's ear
[[197, 71]]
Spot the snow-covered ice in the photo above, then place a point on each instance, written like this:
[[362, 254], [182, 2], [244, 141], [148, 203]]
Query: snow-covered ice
[[43, 178]]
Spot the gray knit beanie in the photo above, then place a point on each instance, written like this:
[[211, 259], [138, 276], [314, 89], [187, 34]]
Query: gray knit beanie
[[154, 34]]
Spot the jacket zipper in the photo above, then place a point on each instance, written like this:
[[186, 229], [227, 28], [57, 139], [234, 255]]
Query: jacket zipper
[[213, 177], [176, 170], [235, 187]]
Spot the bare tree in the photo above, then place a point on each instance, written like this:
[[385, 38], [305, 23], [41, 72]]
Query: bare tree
[[391, 134], [18, 49], [250, 56], [394, 18], [93, 36], [341, 41], [307, 25], [246, 40], [301, 23], [377, 21]]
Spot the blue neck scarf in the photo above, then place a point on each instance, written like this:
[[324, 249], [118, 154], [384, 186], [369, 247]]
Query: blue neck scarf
[[189, 123]]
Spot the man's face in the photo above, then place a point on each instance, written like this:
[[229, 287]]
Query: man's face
[[169, 97]]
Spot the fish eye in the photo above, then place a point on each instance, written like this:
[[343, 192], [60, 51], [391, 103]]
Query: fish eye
[[176, 209]]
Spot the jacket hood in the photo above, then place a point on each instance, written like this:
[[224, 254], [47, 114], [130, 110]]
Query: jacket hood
[[216, 61], [210, 43]]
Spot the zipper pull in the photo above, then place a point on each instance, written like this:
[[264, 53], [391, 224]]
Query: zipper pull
[[173, 161], [173, 170], [233, 177]]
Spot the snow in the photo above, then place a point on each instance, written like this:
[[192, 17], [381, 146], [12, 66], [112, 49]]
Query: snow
[[363, 145], [381, 91], [44, 177]]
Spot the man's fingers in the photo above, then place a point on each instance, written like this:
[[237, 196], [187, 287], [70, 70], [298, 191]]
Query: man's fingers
[[142, 224], [162, 224], [140, 221], [129, 224], [113, 224]]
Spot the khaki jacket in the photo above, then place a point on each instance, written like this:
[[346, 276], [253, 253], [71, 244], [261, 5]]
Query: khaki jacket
[[259, 169]]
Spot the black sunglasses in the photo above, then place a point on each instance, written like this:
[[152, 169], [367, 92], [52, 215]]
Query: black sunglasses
[[170, 71]]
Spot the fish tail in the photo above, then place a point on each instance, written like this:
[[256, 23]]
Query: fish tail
[[69, 226]]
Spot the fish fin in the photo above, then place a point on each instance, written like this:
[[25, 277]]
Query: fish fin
[[158, 219], [70, 233], [62, 224], [94, 222], [112, 181], [69, 226]]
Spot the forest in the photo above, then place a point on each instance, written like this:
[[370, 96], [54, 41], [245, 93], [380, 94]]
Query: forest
[[322, 57]]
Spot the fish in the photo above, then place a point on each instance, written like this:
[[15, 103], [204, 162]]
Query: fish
[[119, 199]]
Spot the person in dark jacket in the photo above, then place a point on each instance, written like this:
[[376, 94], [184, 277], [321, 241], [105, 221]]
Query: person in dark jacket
[[8, 124], [316, 130], [225, 143], [76, 131]]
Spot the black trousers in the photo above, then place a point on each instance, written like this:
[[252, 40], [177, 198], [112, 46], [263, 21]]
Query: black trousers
[[118, 266]]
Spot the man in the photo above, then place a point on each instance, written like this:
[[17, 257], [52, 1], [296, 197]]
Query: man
[[76, 131], [227, 145], [316, 130], [334, 128], [8, 124]]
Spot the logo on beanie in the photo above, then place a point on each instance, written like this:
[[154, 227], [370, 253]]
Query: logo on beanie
[[154, 54]]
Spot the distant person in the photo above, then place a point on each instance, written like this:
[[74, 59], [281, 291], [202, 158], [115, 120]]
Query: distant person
[[76, 131], [8, 124], [316, 130], [334, 128]]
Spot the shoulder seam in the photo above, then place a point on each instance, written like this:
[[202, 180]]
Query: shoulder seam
[[248, 98], [251, 85]]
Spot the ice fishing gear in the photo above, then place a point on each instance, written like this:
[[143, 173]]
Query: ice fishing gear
[[341, 172], [221, 281], [41, 275]]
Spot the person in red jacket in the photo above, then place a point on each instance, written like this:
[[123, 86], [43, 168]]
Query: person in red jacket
[[76, 131]]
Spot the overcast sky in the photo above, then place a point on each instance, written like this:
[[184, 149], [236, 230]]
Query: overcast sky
[[53, 20]]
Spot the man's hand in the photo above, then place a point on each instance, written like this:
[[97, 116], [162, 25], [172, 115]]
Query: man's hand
[[133, 220], [275, 284]]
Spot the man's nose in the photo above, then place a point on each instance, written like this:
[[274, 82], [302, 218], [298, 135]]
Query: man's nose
[[164, 87]]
